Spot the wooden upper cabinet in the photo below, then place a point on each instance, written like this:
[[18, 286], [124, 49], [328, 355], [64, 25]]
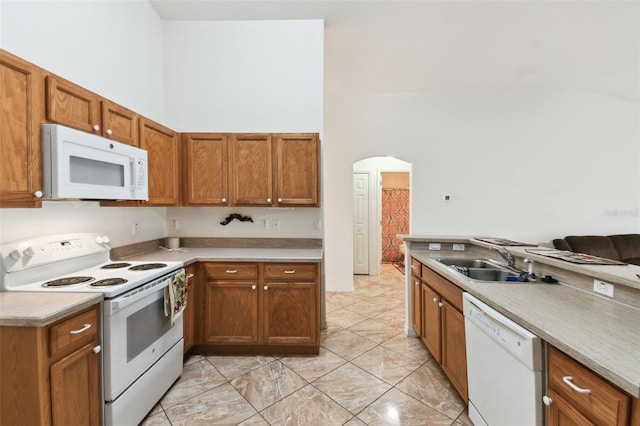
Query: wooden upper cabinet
[[205, 169], [163, 162], [71, 105], [297, 169], [74, 106], [21, 111], [119, 123], [251, 169]]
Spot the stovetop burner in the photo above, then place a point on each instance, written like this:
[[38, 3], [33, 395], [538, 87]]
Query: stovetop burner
[[108, 281], [115, 265], [147, 266], [67, 281]]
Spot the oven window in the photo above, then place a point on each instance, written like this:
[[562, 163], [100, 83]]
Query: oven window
[[94, 172], [146, 326]]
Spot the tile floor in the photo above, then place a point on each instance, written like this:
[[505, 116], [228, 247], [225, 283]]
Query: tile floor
[[368, 373]]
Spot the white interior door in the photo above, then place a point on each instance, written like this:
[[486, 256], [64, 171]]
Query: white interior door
[[361, 223]]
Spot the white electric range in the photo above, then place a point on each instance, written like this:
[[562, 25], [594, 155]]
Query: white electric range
[[142, 347]]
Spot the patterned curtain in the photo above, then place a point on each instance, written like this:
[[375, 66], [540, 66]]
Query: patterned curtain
[[395, 220]]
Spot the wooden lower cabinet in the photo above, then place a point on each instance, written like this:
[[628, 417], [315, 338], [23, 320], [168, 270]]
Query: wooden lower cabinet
[[604, 404], [443, 327], [51, 376], [189, 319], [259, 307], [416, 297]]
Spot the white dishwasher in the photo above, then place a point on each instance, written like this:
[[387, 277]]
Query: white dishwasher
[[504, 368]]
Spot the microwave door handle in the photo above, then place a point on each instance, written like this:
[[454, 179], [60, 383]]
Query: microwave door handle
[[132, 168]]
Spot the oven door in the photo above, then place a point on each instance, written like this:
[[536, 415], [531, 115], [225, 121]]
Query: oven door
[[136, 334]]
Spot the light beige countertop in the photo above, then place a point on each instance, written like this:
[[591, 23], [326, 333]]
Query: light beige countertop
[[33, 309], [190, 255], [602, 334]]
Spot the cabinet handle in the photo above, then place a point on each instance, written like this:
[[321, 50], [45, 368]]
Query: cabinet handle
[[290, 271], [440, 305], [547, 401], [266, 287], [568, 381], [97, 349], [224, 200], [38, 194], [253, 287], [231, 271], [189, 276], [435, 300], [109, 132], [82, 330], [279, 200], [268, 200], [96, 127], [413, 267], [417, 283]]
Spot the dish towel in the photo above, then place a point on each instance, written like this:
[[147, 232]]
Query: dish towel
[[175, 296]]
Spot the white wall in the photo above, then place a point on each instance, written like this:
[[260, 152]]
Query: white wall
[[527, 113], [112, 48], [251, 76]]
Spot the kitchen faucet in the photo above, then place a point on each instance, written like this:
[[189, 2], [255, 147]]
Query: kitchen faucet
[[506, 255]]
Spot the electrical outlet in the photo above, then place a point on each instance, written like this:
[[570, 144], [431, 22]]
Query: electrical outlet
[[136, 228], [435, 246], [264, 224], [602, 287], [275, 224], [175, 224], [458, 247]]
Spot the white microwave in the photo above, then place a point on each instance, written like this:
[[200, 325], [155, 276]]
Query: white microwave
[[77, 164]]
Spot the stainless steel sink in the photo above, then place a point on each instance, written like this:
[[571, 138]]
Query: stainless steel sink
[[469, 263], [480, 269]]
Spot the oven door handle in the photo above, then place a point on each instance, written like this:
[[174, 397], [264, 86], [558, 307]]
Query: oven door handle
[[121, 302]]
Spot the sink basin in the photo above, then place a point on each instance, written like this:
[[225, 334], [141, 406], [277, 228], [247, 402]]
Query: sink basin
[[479, 269], [469, 263]]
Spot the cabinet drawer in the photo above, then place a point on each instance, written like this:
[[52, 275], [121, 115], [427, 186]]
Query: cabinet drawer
[[231, 271], [290, 271], [443, 286], [73, 332], [604, 404], [416, 268]]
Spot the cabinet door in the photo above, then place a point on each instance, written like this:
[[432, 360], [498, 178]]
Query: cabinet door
[[251, 170], [561, 413], [297, 169], [416, 297], [431, 321], [75, 388], [163, 162], [454, 353], [72, 105], [205, 169], [231, 312], [119, 123], [22, 105], [190, 310], [290, 313]]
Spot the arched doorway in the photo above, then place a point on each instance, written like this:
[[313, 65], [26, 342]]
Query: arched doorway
[[381, 205]]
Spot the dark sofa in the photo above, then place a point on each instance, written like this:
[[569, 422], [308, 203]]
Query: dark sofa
[[625, 248]]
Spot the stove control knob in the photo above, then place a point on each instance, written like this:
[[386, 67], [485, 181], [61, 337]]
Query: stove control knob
[[105, 239], [99, 240], [16, 254], [29, 251]]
